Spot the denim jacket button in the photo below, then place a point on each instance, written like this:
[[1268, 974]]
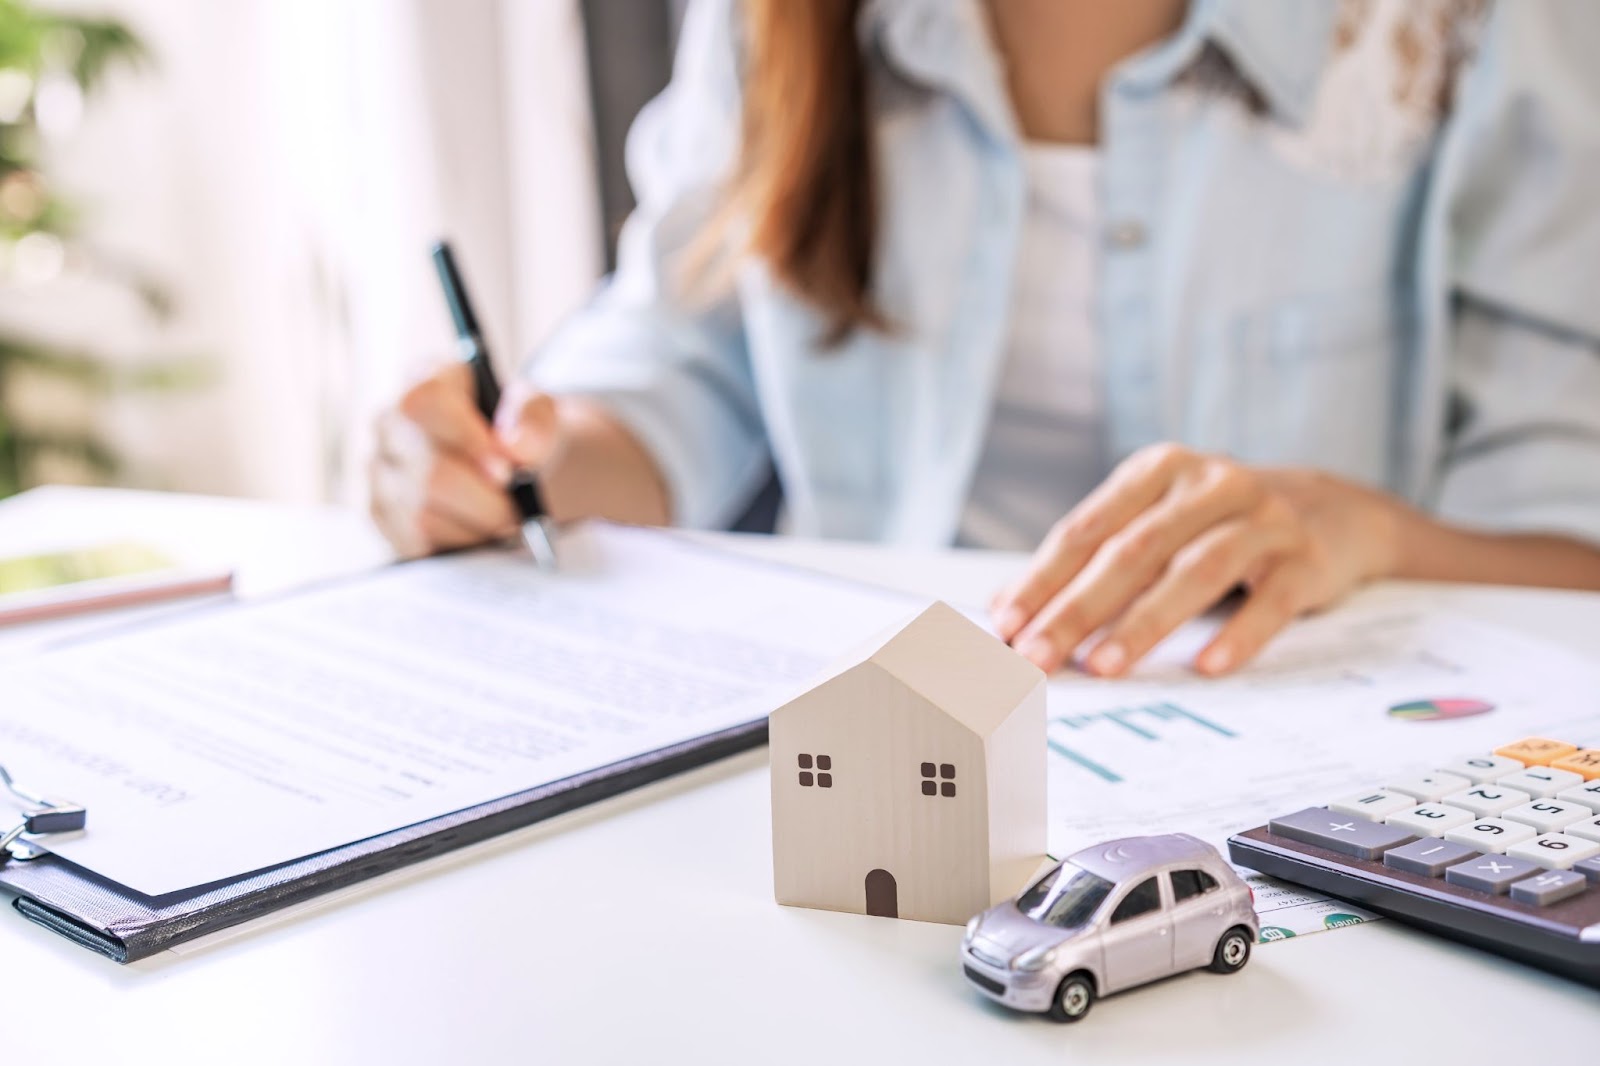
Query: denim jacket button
[[1129, 233]]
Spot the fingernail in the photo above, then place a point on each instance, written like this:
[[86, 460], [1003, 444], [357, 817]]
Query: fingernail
[[1037, 650], [1215, 660], [1009, 621], [510, 435], [1108, 658], [498, 469], [522, 444]]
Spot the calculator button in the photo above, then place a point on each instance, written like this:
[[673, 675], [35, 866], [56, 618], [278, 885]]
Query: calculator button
[[1546, 815], [1552, 886], [1428, 857], [1491, 834], [1375, 804], [1481, 768], [1540, 781], [1587, 829], [1585, 762], [1493, 874], [1344, 833], [1430, 819], [1589, 868], [1587, 794], [1555, 851], [1487, 800], [1537, 751], [1429, 787]]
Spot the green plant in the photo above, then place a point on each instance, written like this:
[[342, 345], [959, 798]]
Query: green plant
[[51, 62]]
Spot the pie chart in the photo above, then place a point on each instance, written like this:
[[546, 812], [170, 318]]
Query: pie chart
[[1435, 710]]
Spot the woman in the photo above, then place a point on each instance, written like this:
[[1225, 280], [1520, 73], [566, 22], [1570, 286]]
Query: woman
[[1188, 296]]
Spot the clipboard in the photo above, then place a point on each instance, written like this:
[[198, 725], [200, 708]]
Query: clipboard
[[125, 926]]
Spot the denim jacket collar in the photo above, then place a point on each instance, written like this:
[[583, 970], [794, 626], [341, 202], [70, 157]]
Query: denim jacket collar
[[947, 44], [1278, 47]]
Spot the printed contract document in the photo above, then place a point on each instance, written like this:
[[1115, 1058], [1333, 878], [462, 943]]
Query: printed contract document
[[236, 739]]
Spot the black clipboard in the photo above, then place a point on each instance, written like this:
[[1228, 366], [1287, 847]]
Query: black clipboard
[[125, 926]]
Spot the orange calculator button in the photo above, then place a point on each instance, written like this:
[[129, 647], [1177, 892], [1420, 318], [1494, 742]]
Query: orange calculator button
[[1537, 751], [1585, 762]]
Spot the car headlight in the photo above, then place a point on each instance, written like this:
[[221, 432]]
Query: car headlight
[[1035, 960], [972, 927]]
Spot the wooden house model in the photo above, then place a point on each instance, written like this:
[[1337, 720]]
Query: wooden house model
[[910, 781]]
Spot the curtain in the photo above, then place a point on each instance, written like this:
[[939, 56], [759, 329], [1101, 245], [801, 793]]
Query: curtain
[[283, 168]]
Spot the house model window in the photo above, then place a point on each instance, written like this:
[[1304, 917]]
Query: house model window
[[945, 785], [823, 778]]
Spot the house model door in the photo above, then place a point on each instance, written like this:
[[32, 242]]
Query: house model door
[[883, 895]]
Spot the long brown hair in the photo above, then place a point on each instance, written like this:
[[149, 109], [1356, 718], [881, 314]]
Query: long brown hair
[[804, 181]]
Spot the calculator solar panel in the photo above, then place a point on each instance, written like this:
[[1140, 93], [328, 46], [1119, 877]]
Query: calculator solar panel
[[1500, 850]]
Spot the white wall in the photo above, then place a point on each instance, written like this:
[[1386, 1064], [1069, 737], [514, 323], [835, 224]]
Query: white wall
[[283, 169]]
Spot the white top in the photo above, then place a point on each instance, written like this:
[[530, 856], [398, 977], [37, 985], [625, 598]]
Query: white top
[[1044, 452]]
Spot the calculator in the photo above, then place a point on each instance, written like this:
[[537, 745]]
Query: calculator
[[1500, 850]]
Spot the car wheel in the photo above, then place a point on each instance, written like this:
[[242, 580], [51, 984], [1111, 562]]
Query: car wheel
[[1233, 951], [1073, 998]]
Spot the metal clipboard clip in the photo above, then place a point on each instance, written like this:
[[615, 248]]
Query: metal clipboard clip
[[39, 816]]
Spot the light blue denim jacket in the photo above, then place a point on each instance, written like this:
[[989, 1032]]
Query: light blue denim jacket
[[1326, 244]]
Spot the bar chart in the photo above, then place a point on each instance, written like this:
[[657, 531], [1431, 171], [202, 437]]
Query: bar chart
[[1084, 739]]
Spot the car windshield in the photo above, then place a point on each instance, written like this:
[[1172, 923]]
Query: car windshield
[[1066, 897]]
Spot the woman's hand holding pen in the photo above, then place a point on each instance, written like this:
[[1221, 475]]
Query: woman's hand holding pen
[[1169, 534], [440, 470]]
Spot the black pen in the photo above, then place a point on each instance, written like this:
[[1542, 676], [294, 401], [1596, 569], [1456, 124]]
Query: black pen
[[536, 533]]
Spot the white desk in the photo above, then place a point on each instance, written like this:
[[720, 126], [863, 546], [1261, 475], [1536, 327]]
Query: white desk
[[643, 930]]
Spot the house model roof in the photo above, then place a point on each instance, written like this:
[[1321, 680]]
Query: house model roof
[[955, 664]]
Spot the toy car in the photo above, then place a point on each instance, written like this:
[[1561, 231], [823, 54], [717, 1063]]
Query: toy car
[[1109, 918]]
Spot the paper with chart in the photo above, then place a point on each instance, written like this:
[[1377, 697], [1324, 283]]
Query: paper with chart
[[1340, 703], [238, 739]]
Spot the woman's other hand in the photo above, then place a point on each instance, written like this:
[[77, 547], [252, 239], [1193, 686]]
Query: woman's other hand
[[1169, 534], [439, 473]]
